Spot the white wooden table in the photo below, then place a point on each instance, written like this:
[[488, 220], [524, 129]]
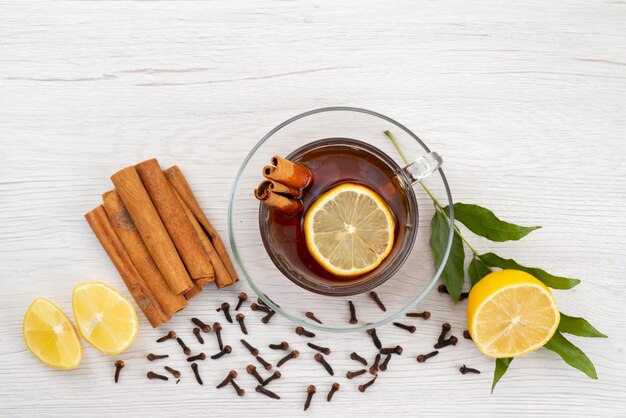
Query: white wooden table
[[526, 101]]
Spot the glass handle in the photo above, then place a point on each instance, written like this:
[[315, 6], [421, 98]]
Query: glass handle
[[423, 167]]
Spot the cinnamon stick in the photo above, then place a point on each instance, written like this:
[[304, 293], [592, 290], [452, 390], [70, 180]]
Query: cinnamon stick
[[222, 278], [287, 172], [278, 201], [172, 214], [102, 228], [145, 217], [180, 184], [127, 232], [270, 185]]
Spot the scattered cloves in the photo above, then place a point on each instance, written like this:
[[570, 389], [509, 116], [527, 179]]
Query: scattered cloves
[[226, 309], [196, 332], [240, 391], [293, 354], [424, 314], [312, 317], [240, 318], [310, 391], [266, 392], [197, 357], [465, 370], [376, 299], [265, 364], [186, 349], [410, 328], [119, 365], [321, 349], [363, 387], [194, 367], [353, 319], [152, 375], [200, 324], [256, 307], [375, 339], [445, 327], [274, 376], [268, 316], [168, 336], [374, 368], [302, 331], [423, 357], [385, 363], [152, 357], [230, 376], [352, 375], [450, 341], [226, 350], [444, 289], [217, 327], [467, 335], [284, 345], [251, 369], [174, 372], [243, 296], [355, 356], [334, 388], [391, 350], [253, 350], [320, 359]]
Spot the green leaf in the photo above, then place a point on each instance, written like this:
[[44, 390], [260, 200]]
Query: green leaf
[[502, 365], [453, 272], [571, 354], [578, 326], [485, 223], [555, 282], [477, 270]]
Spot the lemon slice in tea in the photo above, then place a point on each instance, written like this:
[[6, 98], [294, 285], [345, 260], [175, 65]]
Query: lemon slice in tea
[[349, 230]]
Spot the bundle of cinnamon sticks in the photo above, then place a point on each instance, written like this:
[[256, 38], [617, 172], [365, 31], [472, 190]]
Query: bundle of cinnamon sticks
[[283, 186], [159, 239]]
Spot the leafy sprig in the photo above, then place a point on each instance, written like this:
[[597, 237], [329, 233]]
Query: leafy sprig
[[483, 222]]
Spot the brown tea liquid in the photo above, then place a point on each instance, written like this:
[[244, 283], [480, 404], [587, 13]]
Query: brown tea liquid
[[333, 162]]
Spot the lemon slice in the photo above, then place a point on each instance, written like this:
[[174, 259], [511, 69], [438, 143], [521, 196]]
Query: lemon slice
[[105, 318], [510, 313], [50, 336], [349, 230]]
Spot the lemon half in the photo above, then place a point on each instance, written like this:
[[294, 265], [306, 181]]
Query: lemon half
[[349, 230]]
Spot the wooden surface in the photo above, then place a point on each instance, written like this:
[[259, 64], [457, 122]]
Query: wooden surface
[[525, 100]]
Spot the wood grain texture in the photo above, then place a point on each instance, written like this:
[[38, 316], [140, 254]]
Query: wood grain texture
[[525, 101]]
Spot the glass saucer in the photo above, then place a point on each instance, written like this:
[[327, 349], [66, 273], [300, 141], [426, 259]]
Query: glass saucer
[[410, 284]]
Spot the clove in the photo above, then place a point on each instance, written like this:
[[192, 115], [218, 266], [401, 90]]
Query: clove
[[385, 363], [174, 372], [256, 307], [312, 317], [466, 370], [243, 296], [284, 345], [268, 316], [467, 335], [391, 350], [310, 391], [363, 388], [254, 351], [119, 365], [374, 368], [152, 375], [240, 391], [167, 336], [186, 349], [240, 318], [320, 359], [352, 375], [445, 327], [197, 357], [444, 289], [217, 327], [226, 350], [353, 319], [450, 341], [334, 388], [376, 299], [194, 367], [196, 332], [265, 364], [152, 357], [424, 314], [355, 356], [274, 376], [321, 349], [226, 309], [200, 324], [423, 357], [266, 392], [409, 328], [377, 343], [230, 376], [251, 369], [302, 331], [293, 354]]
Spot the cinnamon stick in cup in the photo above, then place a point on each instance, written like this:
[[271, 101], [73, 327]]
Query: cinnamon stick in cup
[[102, 228], [287, 172], [145, 217], [180, 184], [173, 215], [282, 203], [127, 232], [271, 185]]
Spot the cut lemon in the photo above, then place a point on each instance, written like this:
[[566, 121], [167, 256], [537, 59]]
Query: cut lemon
[[105, 318], [510, 313], [50, 336], [349, 230]]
